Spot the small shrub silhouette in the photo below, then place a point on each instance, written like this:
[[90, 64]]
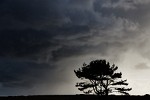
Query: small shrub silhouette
[[101, 78]]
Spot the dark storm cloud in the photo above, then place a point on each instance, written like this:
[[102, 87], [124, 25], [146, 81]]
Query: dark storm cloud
[[19, 43], [133, 10], [26, 14], [31, 28], [17, 73], [120, 17]]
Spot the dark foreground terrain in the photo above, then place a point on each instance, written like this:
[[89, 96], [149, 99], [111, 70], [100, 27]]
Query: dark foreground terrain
[[74, 97]]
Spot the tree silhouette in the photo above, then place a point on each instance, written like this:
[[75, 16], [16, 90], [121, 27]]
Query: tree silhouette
[[101, 78]]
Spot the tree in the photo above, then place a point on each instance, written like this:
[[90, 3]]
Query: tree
[[101, 78]]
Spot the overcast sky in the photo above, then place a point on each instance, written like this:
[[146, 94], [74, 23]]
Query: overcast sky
[[43, 41]]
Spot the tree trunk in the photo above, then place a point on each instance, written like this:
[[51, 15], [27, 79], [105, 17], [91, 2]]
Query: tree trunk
[[106, 92]]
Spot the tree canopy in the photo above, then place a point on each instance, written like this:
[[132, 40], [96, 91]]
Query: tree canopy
[[101, 78]]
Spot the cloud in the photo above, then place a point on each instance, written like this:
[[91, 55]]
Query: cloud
[[23, 74], [141, 66], [124, 4]]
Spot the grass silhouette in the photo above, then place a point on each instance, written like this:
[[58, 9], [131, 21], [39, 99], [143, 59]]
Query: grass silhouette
[[74, 97]]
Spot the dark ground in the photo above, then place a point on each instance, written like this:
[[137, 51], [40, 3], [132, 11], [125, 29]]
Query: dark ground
[[74, 97]]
